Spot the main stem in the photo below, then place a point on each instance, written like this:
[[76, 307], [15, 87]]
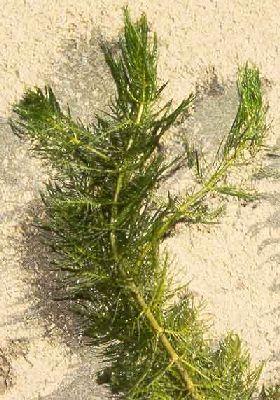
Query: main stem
[[207, 187], [136, 292]]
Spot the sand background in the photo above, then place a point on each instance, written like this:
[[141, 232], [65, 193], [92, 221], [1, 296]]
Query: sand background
[[234, 266]]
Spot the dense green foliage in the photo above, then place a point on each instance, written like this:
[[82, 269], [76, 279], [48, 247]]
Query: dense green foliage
[[106, 228]]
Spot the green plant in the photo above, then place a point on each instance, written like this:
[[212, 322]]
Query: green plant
[[106, 227]]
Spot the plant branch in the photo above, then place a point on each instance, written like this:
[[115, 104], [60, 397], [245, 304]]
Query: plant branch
[[158, 330]]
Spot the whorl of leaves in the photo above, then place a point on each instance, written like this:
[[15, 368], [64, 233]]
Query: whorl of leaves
[[106, 229]]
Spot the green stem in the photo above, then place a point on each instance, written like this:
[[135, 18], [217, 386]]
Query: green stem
[[199, 195], [76, 130], [159, 331], [156, 327], [209, 186], [114, 215], [140, 112]]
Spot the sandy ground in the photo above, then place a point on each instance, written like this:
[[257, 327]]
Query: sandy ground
[[234, 266]]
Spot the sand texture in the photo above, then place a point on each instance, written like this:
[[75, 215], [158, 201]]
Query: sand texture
[[234, 265]]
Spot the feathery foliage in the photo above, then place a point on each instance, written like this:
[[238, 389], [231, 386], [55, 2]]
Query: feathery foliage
[[106, 229]]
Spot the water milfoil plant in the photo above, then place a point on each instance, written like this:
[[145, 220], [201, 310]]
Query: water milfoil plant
[[106, 227]]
